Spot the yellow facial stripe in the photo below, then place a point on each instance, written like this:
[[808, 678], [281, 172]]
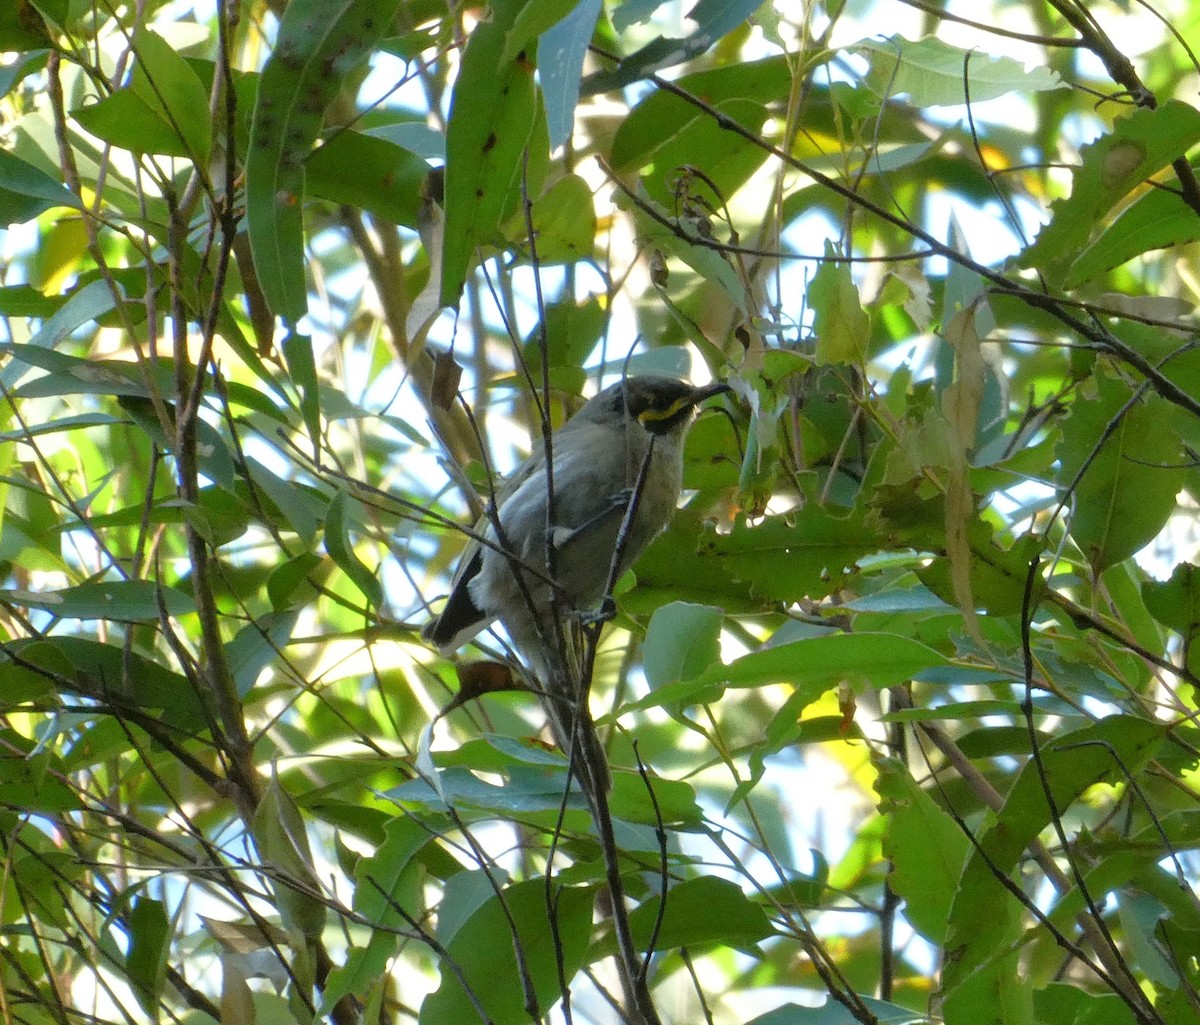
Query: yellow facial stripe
[[657, 415]]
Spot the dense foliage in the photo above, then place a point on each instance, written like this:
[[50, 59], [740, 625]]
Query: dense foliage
[[900, 729]]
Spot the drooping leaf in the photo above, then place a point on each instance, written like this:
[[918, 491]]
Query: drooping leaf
[[482, 948], [561, 51], [492, 115], [682, 640], [341, 548], [149, 950], [700, 911], [926, 848], [26, 192], [319, 44], [842, 327], [1128, 487], [1139, 146]]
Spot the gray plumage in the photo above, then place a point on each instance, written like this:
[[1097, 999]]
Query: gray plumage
[[598, 456]]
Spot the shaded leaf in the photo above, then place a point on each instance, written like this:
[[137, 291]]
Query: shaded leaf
[[342, 510], [931, 72], [700, 911], [712, 19], [807, 553], [926, 849], [26, 192], [319, 44], [386, 180], [122, 601], [842, 327], [483, 950], [1128, 489], [811, 666], [561, 51], [984, 916], [149, 950], [491, 121], [682, 640], [1138, 146]]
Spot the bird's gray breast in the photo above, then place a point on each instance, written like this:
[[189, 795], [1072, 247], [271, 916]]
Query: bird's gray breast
[[596, 468]]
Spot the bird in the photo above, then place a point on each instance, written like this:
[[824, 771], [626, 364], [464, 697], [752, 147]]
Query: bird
[[540, 560]]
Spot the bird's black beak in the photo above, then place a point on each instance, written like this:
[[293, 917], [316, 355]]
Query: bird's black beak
[[708, 391]]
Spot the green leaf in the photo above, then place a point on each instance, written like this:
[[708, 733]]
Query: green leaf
[[925, 846], [11, 75], [564, 222], [26, 192], [282, 842], [806, 553], [1176, 602], [386, 881], [531, 21], [33, 783], [302, 368], [22, 27], [1160, 218], [727, 157], [811, 666], [657, 226], [700, 911], [166, 83], [682, 640], [984, 917], [320, 43], [572, 330], [1138, 146], [256, 645], [483, 949], [1128, 490], [149, 950], [121, 601], [27, 301], [1064, 1004], [84, 306], [997, 575], [342, 510], [288, 585], [657, 119], [712, 20], [932, 72], [840, 323], [654, 802], [387, 179], [560, 55], [108, 671], [833, 1012], [125, 120], [491, 121]]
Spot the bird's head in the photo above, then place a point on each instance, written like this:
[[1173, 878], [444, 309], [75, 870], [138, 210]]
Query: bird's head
[[662, 405]]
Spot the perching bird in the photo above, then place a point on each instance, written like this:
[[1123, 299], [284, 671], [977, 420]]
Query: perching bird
[[631, 431]]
